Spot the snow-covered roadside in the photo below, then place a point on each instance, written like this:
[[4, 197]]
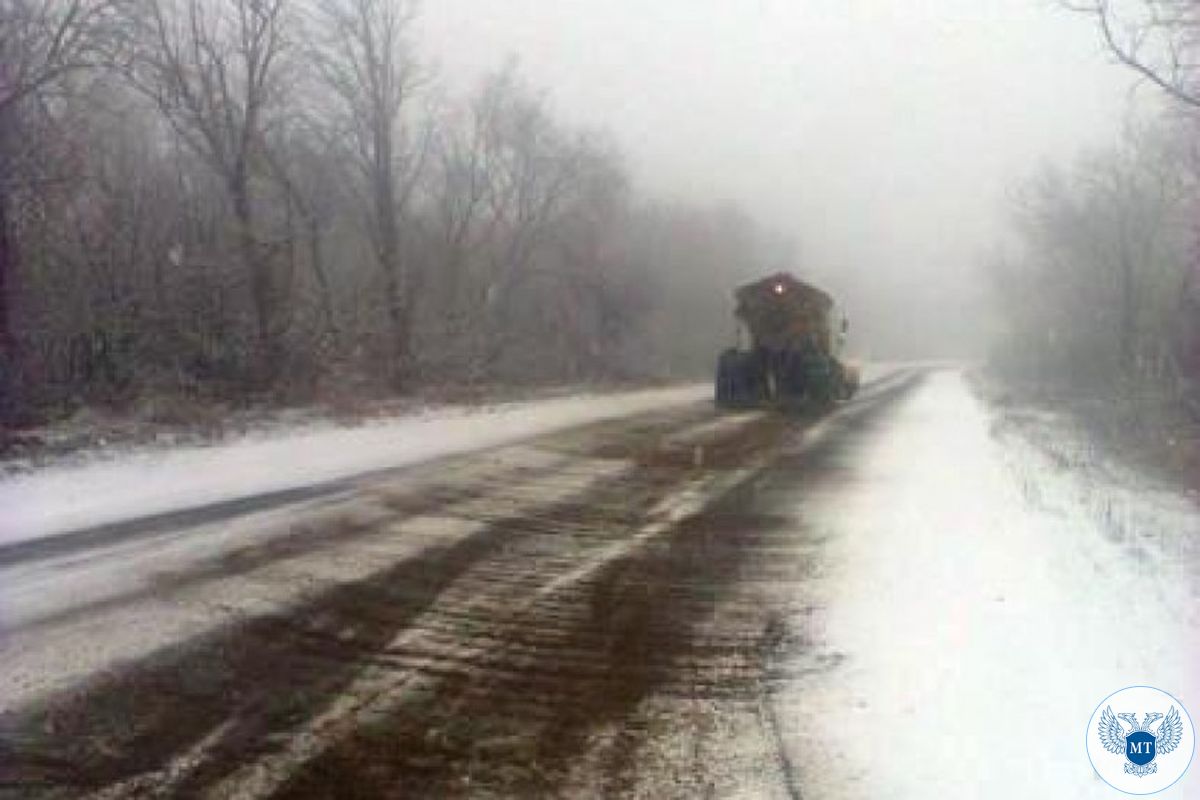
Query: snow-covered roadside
[[151, 481], [980, 601]]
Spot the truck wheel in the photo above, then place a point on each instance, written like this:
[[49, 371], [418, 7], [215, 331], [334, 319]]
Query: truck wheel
[[728, 389], [847, 382]]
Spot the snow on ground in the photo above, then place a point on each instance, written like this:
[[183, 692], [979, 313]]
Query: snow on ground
[[980, 602], [69, 616], [146, 482]]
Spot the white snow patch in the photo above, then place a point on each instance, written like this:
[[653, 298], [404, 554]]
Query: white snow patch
[[978, 608], [148, 482], [67, 617]]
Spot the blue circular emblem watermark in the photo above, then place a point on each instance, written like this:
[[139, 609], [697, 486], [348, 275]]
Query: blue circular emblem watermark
[[1141, 740]]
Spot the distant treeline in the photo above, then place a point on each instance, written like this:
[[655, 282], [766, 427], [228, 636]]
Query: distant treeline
[[1100, 290], [265, 199]]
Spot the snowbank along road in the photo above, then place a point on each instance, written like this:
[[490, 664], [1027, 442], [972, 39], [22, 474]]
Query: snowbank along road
[[915, 596]]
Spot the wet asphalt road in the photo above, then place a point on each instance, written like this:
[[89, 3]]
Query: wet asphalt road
[[607, 611]]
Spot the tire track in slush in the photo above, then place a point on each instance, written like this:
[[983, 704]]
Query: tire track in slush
[[482, 665], [589, 647], [261, 677]]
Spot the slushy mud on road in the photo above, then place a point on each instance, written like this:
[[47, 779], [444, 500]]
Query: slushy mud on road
[[533, 620], [671, 604]]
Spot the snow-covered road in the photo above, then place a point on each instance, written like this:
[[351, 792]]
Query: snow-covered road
[[151, 481], [917, 595], [984, 587]]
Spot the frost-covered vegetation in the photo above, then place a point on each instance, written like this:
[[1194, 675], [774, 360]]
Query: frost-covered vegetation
[[1095, 291], [1101, 290], [276, 199]]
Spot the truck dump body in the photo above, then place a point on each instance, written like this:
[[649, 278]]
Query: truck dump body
[[793, 359], [782, 312]]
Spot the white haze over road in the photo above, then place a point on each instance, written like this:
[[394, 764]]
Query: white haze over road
[[882, 135], [982, 595]]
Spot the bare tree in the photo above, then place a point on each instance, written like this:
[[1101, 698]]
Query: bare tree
[[460, 190], [1158, 39], [365, 59], [213, 69], [305, 174], [41, 43], [1093, 294], [533, 168], [306, 204]]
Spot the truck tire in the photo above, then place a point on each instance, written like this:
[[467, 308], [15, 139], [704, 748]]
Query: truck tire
[[726, 390], [847, 382]]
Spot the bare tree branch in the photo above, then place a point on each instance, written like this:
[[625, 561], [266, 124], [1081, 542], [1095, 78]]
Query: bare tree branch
[[1157, 39]]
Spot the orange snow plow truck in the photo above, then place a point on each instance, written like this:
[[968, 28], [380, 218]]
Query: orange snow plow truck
[[796, 335]]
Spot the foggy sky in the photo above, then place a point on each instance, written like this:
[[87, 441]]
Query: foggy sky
[[882, 134]]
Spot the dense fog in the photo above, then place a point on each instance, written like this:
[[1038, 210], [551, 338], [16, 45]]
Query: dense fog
[[884, 138], [293, 199]]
